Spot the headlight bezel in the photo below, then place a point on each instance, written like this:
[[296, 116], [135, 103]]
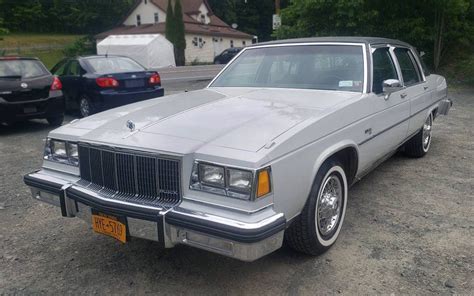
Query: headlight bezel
[[228, 190], [67, 157]]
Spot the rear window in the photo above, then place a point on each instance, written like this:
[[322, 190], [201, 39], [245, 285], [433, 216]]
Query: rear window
[[23, 68], [113, 65]]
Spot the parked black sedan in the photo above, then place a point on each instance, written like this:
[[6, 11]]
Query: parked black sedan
[[227, 55], [28, 90], [95, 83]]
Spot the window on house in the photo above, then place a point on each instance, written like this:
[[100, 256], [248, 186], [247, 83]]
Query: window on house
[[145, 1], [156, 17], [203, 18], [244, 43], [139, 20], [232, 43]]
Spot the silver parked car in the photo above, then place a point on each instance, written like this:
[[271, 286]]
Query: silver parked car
[[266, 153]]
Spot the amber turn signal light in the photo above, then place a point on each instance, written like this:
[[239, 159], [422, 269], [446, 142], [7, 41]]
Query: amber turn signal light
[[263, 183]]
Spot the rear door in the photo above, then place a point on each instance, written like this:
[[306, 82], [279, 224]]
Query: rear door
[[70, 77], [416, 88]]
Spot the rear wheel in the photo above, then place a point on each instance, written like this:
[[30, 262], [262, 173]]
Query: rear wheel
[[85, 106], [55, 120], [317, 227], [420, 144]]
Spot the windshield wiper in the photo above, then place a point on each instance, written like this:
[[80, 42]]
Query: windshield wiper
[[11, 77]]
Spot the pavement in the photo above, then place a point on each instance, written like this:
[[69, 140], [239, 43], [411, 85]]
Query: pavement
[[409, 229], [189, 73]]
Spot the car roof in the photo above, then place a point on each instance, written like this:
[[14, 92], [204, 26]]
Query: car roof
[[339, 39], [90, 57]]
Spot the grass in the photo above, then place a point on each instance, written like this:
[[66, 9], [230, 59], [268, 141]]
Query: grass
[[47, 47], [29, 40]]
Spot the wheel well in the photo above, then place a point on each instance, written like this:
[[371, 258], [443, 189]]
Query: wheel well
[[435, 112], [349, 160]]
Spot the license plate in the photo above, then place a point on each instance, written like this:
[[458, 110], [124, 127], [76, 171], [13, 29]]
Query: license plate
[[109, 225], [134, 83], [29, 109]]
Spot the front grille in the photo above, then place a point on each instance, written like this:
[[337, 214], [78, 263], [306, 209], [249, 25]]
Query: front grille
[[133, 177]]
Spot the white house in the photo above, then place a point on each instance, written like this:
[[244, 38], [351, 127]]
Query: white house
[[206, 34]]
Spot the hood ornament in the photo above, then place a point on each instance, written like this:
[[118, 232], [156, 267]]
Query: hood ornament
[[130, 125], [23, 85]]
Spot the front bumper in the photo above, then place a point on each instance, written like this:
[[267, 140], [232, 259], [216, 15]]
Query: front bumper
[[238, 239]]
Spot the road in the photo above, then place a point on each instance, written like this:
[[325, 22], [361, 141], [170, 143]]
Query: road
[[189, 73], [409, 229]]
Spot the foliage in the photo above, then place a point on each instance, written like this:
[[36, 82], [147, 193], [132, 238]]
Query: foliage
[[180, 41], [252, 16], [430, 25], [60, 16], [170, 24], [82, 46]]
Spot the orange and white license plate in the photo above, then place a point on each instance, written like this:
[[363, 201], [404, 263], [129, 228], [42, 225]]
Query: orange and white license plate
[[109, 225]]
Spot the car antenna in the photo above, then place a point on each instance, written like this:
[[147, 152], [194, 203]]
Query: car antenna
[[107, 50]]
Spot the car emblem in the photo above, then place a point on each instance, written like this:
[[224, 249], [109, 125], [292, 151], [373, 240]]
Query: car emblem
[[23, 85], [134, 76], [131, 125]]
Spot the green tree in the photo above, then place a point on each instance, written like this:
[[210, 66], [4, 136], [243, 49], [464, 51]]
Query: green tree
[[170, 24], [430, 25], [180, 41]]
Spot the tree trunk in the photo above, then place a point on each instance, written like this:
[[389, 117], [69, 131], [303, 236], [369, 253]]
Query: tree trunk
[[438, 40]]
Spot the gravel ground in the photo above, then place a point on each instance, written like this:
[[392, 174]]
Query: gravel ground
[[409, 229]]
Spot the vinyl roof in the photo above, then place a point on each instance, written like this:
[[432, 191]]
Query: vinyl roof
[[341, 39]]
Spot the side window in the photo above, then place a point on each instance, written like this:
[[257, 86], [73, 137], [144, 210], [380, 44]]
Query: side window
[[409, 70], [384, 69], [74, 68], [60, 68]]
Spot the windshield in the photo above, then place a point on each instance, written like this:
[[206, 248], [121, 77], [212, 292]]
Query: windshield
[[22, 68], [114, 65], [326, 67]]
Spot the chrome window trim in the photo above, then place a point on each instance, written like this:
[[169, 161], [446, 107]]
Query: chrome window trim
[[362, 44]]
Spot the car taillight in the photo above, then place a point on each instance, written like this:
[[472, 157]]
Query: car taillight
[[56, 85], [106, 82], [155, 79]]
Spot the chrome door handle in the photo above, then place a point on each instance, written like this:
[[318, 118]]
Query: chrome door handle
[[404, 95], [425, 87]]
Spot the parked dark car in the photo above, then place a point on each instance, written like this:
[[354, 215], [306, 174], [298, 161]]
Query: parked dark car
[[28, 90], [227, 55], [95, 83]]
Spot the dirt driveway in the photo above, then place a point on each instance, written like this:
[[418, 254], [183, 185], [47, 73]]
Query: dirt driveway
[[409, 229]]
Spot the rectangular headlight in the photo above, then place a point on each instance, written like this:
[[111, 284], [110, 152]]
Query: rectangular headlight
[[61, 151], [211, 175], [227, 181]]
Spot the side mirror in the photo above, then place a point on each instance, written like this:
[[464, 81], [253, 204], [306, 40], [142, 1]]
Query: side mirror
[[390, 86]]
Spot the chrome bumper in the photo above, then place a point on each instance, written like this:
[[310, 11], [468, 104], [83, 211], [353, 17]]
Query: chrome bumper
[[444, 106], [241, 240]]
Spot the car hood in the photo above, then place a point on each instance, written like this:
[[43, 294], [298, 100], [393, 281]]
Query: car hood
[[237, 118]]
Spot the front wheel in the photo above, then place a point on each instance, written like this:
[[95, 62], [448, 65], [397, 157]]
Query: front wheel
[[317, 227]]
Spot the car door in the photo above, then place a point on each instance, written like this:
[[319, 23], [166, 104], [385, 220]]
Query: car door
[[416, 88], [387, 127], [71, 82]]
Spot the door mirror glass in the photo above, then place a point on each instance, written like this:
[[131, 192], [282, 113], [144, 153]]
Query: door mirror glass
[[391, 86]]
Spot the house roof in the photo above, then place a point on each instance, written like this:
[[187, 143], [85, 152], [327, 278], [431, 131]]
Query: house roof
[[189, 28], [216, 26]]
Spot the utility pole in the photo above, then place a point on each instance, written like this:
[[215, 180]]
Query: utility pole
[[276, 16]]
